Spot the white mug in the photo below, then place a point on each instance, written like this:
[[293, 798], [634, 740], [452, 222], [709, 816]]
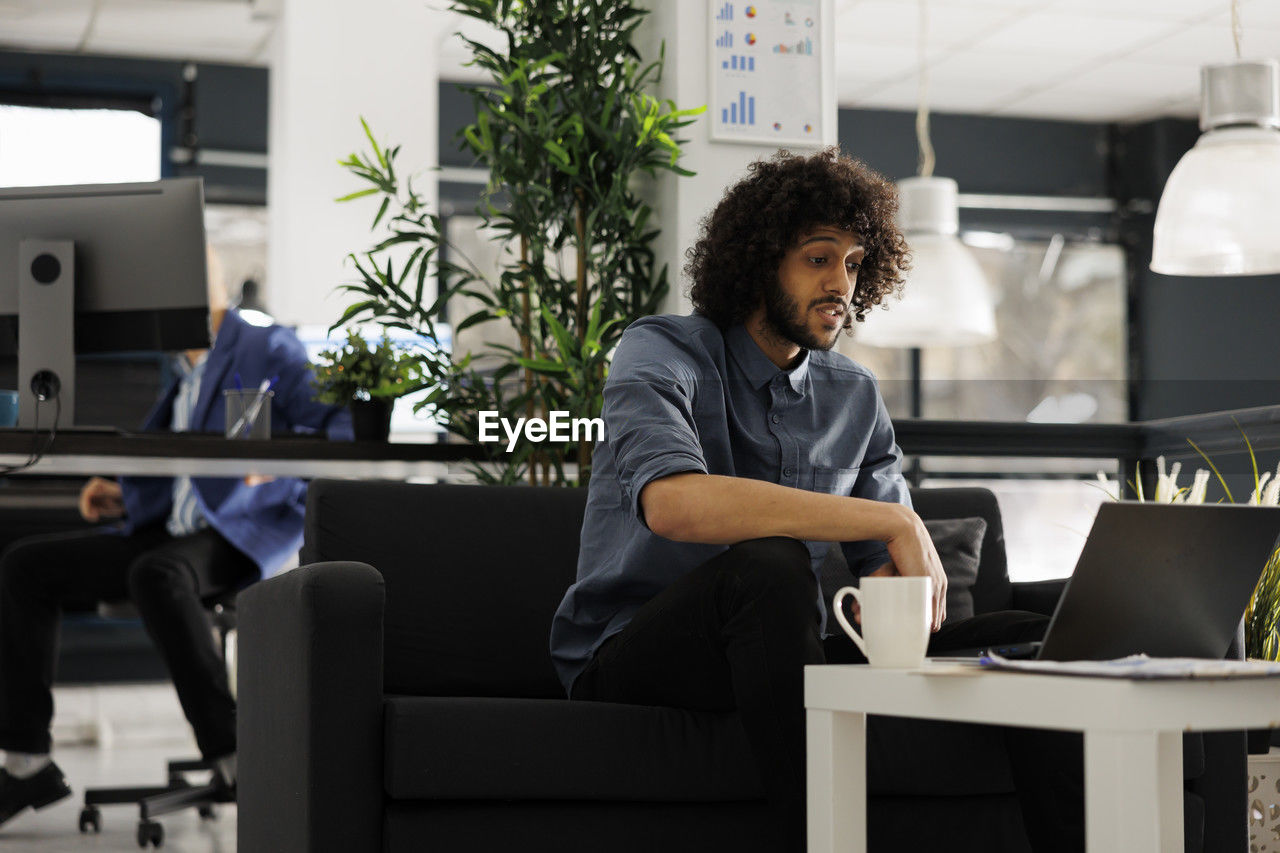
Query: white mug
[[896, 615]]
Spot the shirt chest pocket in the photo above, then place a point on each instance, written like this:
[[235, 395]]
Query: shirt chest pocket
[[834, 481]]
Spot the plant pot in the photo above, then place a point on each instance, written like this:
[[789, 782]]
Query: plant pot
[[371, 419]]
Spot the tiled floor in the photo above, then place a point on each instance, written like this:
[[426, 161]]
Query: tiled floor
[[54, 828], [142, 728]]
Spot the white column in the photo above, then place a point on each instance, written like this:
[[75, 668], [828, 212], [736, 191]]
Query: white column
[[680, 203], [332, 63]]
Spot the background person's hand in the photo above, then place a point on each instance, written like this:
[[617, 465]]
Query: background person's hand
[[252, 480], [913, 555], [101, 498]]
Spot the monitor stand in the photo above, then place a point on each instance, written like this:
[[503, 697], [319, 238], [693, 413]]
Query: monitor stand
[[46, 333]]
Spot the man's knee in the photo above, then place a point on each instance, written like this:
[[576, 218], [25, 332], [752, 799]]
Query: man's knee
[[21, 566], [773, 564], [158, 575]]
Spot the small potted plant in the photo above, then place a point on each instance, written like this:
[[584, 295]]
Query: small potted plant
[[367, 379]]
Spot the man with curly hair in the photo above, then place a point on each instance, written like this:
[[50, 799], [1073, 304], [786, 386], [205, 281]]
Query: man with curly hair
[[737, 448]]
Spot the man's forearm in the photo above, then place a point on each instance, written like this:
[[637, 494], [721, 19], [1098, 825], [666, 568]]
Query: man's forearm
[[716, 510]]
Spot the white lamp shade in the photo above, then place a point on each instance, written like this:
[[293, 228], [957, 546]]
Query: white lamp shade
[[1220, 211], [945, 302]]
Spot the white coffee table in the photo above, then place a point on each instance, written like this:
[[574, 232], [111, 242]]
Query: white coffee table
[[1132, 739]]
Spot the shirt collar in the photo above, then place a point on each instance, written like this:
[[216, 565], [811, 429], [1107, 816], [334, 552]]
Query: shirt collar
[[186, 369], [759, 370]]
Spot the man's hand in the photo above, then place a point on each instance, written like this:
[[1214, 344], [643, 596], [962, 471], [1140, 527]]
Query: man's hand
[[914, 556], [101, 499]]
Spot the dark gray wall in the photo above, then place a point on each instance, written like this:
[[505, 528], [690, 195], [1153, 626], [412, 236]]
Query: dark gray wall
[[1199, 344], [224, 107]]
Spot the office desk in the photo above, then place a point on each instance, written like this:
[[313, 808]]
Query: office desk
[[1132, 739], [211, 455]]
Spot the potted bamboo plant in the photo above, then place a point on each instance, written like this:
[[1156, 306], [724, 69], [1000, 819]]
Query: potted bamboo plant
[[566, 127]]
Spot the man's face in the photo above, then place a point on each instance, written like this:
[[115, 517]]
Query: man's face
[[816, 279]]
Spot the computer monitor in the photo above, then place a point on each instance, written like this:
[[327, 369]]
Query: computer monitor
[[98, 268]]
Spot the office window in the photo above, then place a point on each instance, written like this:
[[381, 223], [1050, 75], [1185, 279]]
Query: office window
[[1046, 505], [45, 146], [1060, 352]]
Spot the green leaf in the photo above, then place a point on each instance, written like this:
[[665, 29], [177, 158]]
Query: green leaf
[[386, 202], [1212, 468], [376, 150], [542, 365], [358, 194]]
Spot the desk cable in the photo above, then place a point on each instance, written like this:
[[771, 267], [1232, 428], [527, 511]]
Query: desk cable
[[37, 453]]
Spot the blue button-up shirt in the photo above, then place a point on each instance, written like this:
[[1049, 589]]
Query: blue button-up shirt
[[682, 396], [186, 516]]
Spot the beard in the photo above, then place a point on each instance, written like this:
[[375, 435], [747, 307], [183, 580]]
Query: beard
[[783, 317]]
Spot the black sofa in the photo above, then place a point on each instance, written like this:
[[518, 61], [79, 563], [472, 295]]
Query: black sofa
[[396, 693]]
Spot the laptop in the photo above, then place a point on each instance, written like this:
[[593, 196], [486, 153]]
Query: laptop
[[1165, 580]]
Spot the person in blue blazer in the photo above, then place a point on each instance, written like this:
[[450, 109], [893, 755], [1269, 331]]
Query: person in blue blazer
[[178, 542]]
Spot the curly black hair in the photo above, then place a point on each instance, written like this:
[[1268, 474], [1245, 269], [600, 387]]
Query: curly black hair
[[744, 239]]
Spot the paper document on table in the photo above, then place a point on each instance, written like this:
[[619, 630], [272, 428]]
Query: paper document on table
[[1140, 666]]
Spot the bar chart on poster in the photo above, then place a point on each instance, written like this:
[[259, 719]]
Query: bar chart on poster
[[766, 71]]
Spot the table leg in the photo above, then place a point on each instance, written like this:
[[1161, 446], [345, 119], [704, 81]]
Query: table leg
[[1133, 792], [837, 781]]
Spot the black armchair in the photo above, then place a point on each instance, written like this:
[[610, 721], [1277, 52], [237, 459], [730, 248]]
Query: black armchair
[[414, 706]]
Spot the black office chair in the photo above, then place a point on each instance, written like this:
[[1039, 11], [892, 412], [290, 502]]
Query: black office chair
[[181, 792]]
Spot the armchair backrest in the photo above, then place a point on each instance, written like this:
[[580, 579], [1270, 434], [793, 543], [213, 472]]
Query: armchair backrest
[[473, 576]]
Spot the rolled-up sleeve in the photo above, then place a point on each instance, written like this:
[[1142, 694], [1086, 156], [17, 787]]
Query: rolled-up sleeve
[[880, 479], [648, 411]]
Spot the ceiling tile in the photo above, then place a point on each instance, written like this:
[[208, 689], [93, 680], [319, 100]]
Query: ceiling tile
[[1003, 68], [1070, 104], [1142, 10], [1141, 79], [1264, 13], [1209, 42], [898, 23], [1080, 35], [943, 98], [863, 67], [37, 25]]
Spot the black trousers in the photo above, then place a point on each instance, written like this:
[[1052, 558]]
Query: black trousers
[[736, 632], [166, 578]]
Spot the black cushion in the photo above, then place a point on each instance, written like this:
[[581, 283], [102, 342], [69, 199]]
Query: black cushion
[[959, 545], [992, 590], [487, 748]]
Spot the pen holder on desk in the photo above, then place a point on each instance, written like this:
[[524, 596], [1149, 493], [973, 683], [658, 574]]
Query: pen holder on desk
[[248, 413]]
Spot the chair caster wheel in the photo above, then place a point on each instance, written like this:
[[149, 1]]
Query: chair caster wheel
[[150, 832], [90, 819], [207, 812]]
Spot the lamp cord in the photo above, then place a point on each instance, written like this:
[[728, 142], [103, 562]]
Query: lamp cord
[[922, 107], [1236, 28]]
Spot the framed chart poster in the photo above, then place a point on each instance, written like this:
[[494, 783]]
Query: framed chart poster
[[767, 81]]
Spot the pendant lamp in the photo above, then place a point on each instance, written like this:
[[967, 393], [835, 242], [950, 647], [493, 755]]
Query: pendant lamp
[[946, 300], [1219, 213]]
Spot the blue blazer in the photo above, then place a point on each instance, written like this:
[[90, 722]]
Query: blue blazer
[[264, 521]]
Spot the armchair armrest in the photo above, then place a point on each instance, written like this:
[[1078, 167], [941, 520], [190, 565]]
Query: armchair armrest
[[1038, 596], [310, 715]]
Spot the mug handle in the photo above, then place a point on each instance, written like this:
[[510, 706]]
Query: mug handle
[[844, 623]]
